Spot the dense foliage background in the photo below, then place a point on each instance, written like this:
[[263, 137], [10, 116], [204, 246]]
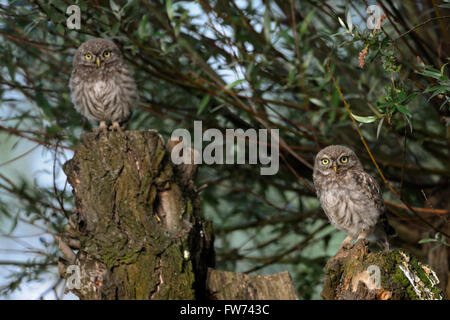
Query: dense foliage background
[[311, 68]]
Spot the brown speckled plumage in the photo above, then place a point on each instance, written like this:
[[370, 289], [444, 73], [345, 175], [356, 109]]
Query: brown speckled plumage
[[102, 87], [349, 196]]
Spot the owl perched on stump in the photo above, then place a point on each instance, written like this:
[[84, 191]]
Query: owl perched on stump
[[350, 197], [101, 85]]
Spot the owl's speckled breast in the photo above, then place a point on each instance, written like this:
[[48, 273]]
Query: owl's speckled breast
[[105, 96], [348, 210]]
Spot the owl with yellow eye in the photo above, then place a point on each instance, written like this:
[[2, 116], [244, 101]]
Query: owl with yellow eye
[[101, 85], [349, 196]]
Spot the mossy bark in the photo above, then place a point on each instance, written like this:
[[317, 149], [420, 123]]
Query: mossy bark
[[141, 235], [358, 274]]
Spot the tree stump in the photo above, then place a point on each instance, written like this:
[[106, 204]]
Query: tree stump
[[358, 274], [225, 285], [137, 221]]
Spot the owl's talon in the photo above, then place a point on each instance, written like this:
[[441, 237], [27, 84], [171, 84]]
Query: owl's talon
[[101, 129], [115, 126], [362, 235], [364, 241], [103, 126], [346, 244]]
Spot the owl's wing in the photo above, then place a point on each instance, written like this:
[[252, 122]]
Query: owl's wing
[[316, 183], [74, 80], [369, 187]]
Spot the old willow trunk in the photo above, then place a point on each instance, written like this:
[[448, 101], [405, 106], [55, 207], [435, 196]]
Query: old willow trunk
[[136, 224]]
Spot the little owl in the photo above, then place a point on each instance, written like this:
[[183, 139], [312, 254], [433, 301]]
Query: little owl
[[350, 197], [101, 85]]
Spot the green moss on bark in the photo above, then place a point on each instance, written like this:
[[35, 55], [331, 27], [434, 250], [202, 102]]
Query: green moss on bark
[[402, 276], [118, 181]]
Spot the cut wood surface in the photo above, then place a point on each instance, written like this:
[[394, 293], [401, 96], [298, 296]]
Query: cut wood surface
[[225, 285]]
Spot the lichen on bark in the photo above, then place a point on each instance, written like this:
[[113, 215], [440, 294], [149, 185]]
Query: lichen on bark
[[359, 274], [141, 234]]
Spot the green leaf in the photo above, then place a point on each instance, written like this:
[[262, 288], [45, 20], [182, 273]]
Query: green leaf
[[342, 23], [409, 123], [403, 109], [143, 27], [60, 28], [115, 28], [287, 37], [432, 74], [53, 129], [42, 102], [267, 25], [114, 6], [349, 21], [12, 71], [436, 246], [410, 98], [291, 76], [434, 88], [367, 119], [428, 240], [30, 27], [234, 84], [308, 59], [203, 104], [55, 16], [443, 104], [305, 23], [442, 69], [318, 102], [380, 125], [400, 97], [249, 70], [169, 8], [443, 89]]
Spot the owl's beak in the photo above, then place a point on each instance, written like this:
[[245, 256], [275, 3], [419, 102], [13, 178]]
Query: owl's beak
[[98, 62], [334, 167]]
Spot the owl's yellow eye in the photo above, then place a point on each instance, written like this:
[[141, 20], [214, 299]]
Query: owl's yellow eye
[[88, 56], [344, 159], [107, 54], [325, 161]]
